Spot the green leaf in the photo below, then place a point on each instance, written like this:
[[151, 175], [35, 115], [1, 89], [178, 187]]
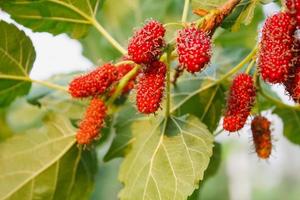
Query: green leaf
[[54, 16], [245, 37], [166, 162], [212, 169], [207, 4], [234, 16], [45, 163], [123, 131], [291, 121], [209, 103], [17, 55]]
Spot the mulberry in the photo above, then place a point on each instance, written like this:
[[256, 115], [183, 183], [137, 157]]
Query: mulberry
[[293, 7], [275, 54], [89, 127], [239, 103], [146, 44], [93, 83], [193, 48], [292, 84], [260, 127], [151, 87]]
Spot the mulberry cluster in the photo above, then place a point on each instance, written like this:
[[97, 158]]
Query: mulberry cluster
[[239, 103], [276, 44], [193, 48], [93, 83], [146, 44], [260, 127], [293, 7], [92, 122], [150, 87]]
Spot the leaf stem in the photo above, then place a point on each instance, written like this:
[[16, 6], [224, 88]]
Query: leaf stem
[[28, 79], [168, 86], [185, 10], [109, 38], [122, 83]]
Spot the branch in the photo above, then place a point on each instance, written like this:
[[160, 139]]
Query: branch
[[216, 17]]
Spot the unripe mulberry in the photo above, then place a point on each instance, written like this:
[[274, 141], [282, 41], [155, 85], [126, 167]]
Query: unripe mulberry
[[150, 87], [93, 83], [260, 127], [146, 44], [275, 53], [293, 7], [89, 127], [193, 48], [239, 103]]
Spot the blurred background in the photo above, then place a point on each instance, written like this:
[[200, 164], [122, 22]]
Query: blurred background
[[241, 175]]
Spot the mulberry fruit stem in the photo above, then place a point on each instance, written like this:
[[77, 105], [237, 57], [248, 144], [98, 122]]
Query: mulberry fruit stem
[[185, 10], [250, 66], [28, 79], [122, 83], [107, 36]]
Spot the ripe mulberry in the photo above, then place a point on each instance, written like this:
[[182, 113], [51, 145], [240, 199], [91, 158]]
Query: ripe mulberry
[[193, 48], [146, 44], [89, 127], [275, 53], [292, 84], [260, 127], [239, 103], [93, 83], [293, 7], [151, 87]]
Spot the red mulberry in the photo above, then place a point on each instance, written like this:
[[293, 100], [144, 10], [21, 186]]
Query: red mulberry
[[146, 44], [194, 49], [292, 85], [93, 83], [151, 87], [90, 126], [276, 48], [293, 7], [260, 127], [239, 103]]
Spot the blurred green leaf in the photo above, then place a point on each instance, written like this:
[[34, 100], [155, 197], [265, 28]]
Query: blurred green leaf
[[37, 164], [5, 130], [207, 105], [207, 4], [291, 120], [233, 18], [17, 55], [54, 16], [245, 37], [166, 162], [124, 119], [212, 169]]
